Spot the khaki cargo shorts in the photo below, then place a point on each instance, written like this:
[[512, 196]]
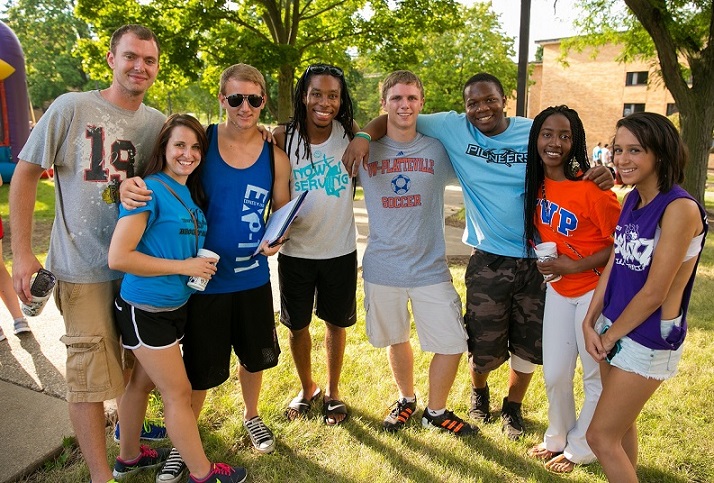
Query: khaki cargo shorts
[[94, 355]]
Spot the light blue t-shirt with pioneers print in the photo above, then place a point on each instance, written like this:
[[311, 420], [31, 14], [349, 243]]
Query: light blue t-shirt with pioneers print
[[492, 172]]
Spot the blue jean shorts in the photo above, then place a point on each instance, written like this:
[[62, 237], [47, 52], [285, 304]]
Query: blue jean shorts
[[650, 363]]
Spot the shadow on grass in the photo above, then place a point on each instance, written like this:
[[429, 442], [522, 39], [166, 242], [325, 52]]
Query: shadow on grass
[[285, 464], [484, 460]]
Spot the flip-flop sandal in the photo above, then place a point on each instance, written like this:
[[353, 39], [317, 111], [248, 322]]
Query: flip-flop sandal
[[540, 453], [300, 406], [331, 409], [560, 464]]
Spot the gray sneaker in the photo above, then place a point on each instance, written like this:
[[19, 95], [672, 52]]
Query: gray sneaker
[[21, 326], [261, 437], [173, 468]]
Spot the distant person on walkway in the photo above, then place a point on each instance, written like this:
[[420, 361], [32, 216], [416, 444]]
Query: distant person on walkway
[[93, 140], [405, 260], [580, 219], [8, 295], [597, 154], [504, 311], [637, 320], [157, 246], [606, 155], [318, 267], [242, 177]]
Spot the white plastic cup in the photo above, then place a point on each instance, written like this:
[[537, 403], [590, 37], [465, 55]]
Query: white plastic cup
[[547, 251], [34, 308], [199, 283]]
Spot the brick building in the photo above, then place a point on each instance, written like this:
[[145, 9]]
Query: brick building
[[599, 87]]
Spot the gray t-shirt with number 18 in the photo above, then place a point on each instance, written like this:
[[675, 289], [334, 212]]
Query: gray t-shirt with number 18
[[404, 193], [90, 143]]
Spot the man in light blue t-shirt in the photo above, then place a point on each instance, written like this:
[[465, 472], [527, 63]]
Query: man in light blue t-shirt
[[504, 313]]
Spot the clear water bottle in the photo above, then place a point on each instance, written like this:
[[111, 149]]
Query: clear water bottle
[[41, 286]]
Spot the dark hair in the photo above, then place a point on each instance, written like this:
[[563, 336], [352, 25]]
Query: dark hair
[[483, 77], [535, 174], [298, 123], [657, 134], [157, 161], [141, 32]]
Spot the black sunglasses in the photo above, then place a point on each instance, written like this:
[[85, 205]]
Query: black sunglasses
[[321, 69], [236, 100]]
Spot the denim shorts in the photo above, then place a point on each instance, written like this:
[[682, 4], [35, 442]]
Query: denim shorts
[[646, 362]]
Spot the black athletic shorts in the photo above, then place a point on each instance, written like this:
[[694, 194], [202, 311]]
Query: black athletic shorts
[[328, 285], [155, 330], [218, 323]]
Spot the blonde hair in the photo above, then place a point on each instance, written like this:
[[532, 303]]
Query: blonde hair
[[242, 72], [401, 77]]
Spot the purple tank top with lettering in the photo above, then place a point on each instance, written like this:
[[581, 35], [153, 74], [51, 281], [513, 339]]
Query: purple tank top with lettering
[[634, 248]]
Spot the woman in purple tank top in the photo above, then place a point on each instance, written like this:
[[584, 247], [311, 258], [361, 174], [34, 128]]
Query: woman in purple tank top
[[636, 322]]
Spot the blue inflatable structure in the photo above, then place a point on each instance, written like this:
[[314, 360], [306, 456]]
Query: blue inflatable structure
[[14, 102]]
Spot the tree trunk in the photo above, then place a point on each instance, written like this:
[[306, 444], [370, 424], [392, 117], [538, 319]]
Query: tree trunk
[[697, 135], [285, 92]]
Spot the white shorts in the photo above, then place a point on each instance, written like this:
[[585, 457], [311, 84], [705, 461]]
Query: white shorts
[[436, 310], [650, 363]]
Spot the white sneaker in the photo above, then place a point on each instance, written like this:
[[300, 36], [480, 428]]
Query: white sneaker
[[261, 437], [173, 469], [21, 326], [2, 335]]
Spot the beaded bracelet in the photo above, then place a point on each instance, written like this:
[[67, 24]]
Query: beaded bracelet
[[363, 135]]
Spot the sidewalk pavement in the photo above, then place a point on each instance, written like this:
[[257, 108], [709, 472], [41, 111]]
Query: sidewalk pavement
[[32, 368]]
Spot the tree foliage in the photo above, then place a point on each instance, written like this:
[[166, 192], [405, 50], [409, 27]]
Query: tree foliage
[[279, 37], [473, 42], [450, 59], [680, 35], [48, 32]]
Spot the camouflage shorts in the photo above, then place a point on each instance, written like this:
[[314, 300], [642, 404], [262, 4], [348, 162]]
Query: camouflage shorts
[[504, 310]]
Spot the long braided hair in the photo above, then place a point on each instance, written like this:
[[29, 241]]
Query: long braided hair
[[298, 123], [535, 174]]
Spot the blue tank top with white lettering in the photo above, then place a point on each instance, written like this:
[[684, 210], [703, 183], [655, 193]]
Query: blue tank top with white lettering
[[237, 199]]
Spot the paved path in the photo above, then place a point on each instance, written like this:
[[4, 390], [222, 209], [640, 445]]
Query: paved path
[[32, 369]]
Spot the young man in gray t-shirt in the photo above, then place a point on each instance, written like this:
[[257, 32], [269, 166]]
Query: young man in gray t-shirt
[[92, 140], [405, 260]]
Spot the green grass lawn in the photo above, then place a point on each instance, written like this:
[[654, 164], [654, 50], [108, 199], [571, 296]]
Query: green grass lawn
[[674, 428]]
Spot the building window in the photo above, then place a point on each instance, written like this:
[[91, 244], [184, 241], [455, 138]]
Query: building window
[[632, 108], [672, 109], [636, 79]]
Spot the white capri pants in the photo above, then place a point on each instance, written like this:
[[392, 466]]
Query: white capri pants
[[563, 342]]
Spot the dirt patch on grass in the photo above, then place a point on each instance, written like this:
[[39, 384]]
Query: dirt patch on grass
[[40, 238], [455, 220]]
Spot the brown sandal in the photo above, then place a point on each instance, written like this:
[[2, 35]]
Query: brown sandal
[[560, 464], [539, 452]]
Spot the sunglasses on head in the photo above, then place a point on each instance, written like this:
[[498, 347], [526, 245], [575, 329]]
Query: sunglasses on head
[[236, 100], [321, 69]]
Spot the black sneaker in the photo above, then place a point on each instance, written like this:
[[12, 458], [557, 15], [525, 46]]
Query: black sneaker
[[512, 419], [148, 458], [222, 473], [448, 422], [261, 437], [173, 468], [480, 404], [400, 414]]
